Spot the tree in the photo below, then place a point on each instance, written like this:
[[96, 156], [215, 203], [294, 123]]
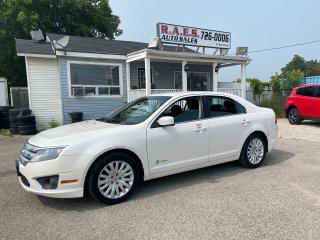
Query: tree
[[312, 68], [297, 63], [90, 18], [287, 80]]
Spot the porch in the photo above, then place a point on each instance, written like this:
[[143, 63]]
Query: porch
[[154, 72]]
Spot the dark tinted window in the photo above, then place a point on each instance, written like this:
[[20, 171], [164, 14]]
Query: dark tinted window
[[318, 92], [184, 110], [307, 91], [223, 106]]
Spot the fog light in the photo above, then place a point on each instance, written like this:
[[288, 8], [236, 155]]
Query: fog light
[[49, 182]]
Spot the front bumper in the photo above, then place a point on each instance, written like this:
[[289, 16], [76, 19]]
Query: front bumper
[[28, 174]]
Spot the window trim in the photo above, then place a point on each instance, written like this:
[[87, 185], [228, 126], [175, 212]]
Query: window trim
[[151, 74], [94, 63], [206, 107]]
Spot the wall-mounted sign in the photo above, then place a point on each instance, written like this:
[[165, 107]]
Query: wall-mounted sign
[[183, 35]]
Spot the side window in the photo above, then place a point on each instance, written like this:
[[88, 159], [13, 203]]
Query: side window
[[318, 92], [223, 106], [299, 91], [184, 110], [308, 91]]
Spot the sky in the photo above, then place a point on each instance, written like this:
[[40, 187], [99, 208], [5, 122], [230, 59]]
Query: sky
[[256, 24]]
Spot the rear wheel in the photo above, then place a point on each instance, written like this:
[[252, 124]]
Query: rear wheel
[[293, 116], [253, 151], [113, 178]]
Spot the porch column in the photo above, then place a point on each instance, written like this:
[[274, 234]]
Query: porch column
[[148, 75], [243, 81], [128, 81], [184, 77], [214, 77]]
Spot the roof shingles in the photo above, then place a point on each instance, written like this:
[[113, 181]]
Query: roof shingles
[[84, 44]]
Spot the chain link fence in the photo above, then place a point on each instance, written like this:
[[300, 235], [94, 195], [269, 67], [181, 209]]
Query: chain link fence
[[274, 99]]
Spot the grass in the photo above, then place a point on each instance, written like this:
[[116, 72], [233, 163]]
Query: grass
[[5, 132]]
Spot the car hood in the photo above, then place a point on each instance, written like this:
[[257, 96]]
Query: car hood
[[75, 133]]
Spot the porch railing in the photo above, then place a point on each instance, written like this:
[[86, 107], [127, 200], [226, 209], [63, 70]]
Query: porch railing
[[137, 93], [235, 91]]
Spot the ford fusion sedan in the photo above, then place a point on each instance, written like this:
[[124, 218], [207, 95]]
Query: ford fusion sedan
[[148, 138]]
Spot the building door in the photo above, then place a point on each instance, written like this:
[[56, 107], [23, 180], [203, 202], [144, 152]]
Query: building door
[[142, 78], [197, 81]]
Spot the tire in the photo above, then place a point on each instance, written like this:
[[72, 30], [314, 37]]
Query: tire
[[5, 108], [251, 158], [5, 125], [14, 124], [25, 112], [13, 118], [14, 112], [26, 120], [104, 192], [29, 132], [27, 128], [5, 115], [294, 116]]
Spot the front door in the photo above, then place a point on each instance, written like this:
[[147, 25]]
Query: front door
[[180, 146]]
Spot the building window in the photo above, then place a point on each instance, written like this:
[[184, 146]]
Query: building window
[[94, 80], [142, 78], [197, 81]]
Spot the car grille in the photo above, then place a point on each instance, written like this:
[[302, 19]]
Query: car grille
[[27, 153]]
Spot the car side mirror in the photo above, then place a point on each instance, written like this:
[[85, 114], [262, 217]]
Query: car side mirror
[[166, 121]]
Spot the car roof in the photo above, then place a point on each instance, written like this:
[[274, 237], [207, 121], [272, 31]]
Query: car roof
[[192, 93], [308, 85]]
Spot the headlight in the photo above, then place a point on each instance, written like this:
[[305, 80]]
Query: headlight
[[43, 154]]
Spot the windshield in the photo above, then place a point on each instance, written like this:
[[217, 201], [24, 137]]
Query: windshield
[[137, 111]]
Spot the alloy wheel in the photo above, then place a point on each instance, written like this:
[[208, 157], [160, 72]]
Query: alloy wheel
[[293, 115], [115, 179], [255, 151]]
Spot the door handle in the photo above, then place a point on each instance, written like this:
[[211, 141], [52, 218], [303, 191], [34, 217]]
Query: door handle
[[245, 122], [199, 128]]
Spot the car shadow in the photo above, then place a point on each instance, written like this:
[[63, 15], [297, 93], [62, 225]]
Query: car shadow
[[311, 124], [166, 184]]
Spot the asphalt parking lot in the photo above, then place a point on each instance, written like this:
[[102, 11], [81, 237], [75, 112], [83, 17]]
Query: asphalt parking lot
[[280, 200]]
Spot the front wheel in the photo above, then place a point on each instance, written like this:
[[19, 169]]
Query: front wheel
[[113, 178], [253, 151]]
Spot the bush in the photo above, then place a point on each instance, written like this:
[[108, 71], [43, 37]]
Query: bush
[[53, 124], [277, 108]]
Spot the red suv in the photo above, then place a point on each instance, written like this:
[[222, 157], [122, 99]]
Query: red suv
[[303, 103]]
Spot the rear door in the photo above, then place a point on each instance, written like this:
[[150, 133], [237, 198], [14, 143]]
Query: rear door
[[228, 124], [316, 103], [305, 100]]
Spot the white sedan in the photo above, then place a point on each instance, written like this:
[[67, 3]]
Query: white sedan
[[148, 138]]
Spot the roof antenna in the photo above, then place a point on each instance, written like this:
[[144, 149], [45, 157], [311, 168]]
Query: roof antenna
[[61, 44], [37, 35]]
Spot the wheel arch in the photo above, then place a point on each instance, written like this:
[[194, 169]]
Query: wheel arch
[[290, 106], [116, 150], [262, 134]]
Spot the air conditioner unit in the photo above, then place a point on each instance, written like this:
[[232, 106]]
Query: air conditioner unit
[[78, 91]]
